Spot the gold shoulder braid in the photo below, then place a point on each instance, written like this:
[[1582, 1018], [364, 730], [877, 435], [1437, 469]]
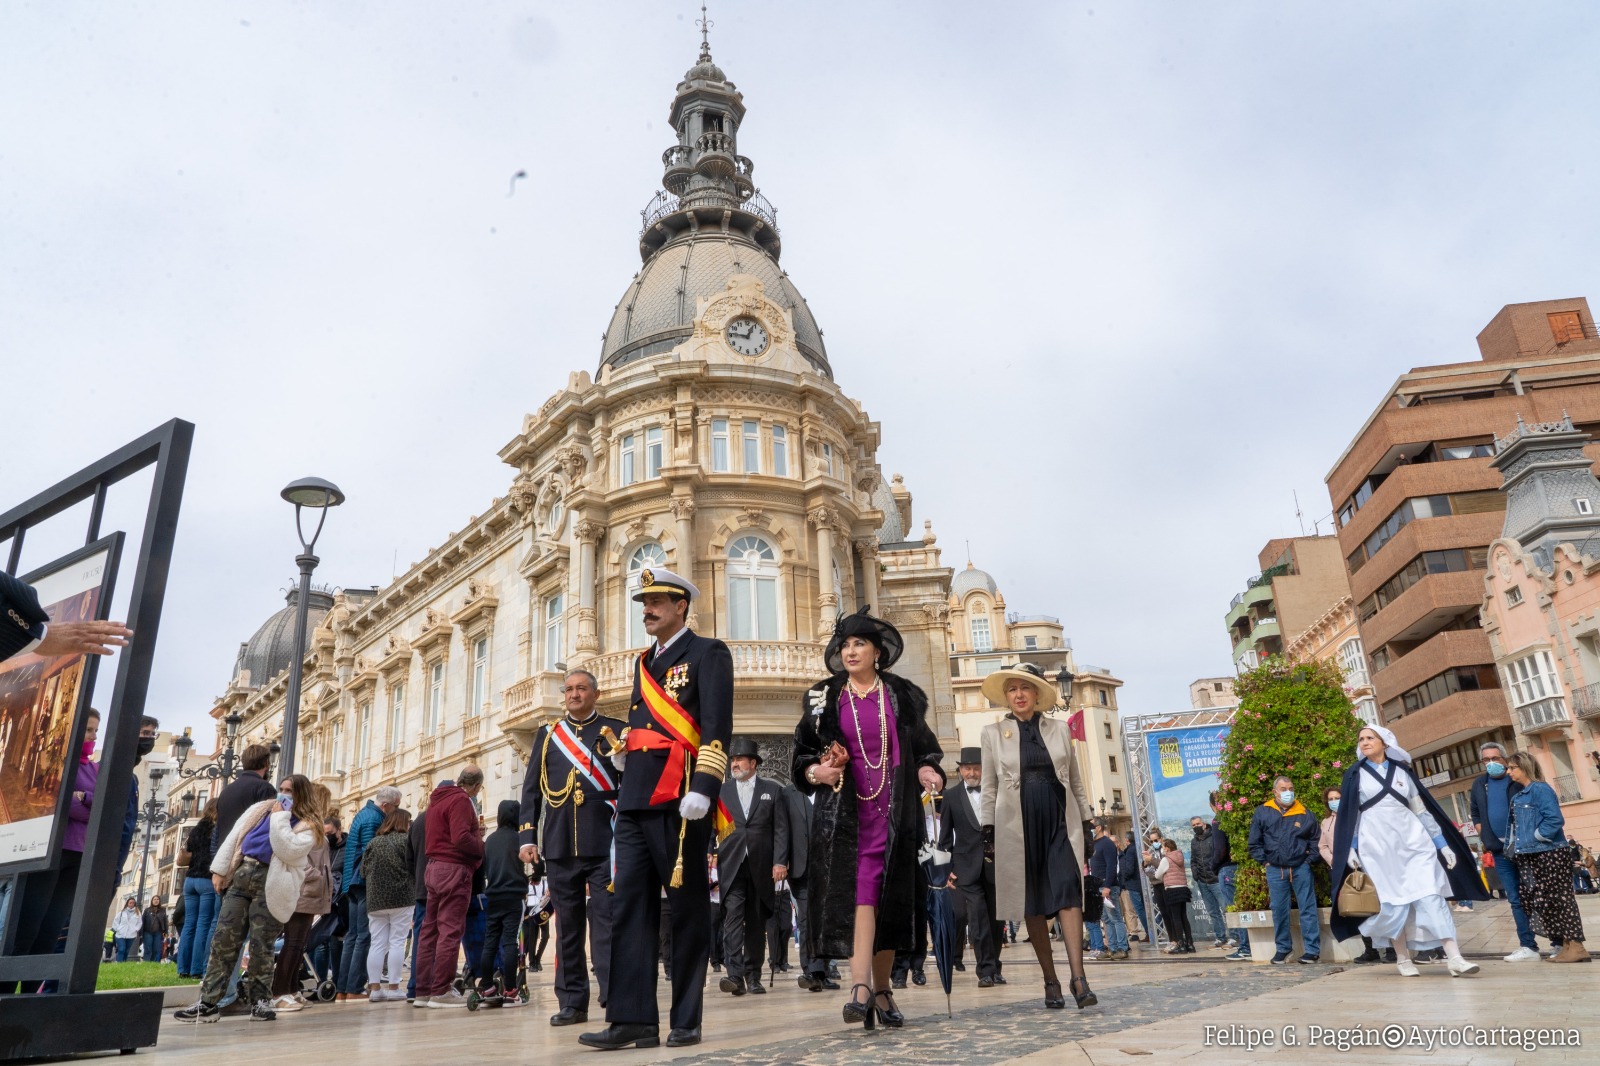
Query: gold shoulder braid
[[558, 798], [713, 760]]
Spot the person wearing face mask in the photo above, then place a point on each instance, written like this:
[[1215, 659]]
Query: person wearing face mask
[[1201, 853], [1491, 796], [1393, 830], [1281, 835]]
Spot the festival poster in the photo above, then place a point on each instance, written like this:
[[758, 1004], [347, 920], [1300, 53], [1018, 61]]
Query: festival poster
[[42, 703], [1184, 765]]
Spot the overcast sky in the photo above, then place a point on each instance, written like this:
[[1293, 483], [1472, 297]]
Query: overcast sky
[[1117, 280]]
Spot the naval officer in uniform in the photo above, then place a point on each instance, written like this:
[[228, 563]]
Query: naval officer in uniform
[[569, 800], [680, 722]]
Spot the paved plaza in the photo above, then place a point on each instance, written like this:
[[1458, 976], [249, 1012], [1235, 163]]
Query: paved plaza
[[1153, 1009]]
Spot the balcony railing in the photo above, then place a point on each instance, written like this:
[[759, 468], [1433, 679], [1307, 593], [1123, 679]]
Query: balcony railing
[[1586, 701], [1566, 787], [767, 660], [665, 203], [1014, 619], [1542, 714]]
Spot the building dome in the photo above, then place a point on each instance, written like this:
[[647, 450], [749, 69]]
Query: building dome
[[973, 580], [267, 654], [657, 312]]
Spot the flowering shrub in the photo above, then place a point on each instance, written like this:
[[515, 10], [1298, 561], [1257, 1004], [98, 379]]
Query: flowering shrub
[[1294, 719]]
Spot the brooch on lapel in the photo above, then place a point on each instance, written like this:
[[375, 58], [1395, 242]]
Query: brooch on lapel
[[677, 677], [1006, 733], [818, 698]]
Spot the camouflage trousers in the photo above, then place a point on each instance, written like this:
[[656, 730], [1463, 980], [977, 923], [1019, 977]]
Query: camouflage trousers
[[243, 916]]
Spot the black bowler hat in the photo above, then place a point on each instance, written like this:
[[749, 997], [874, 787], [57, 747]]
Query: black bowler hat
[[861, 624], [970, 757], [746, 747]]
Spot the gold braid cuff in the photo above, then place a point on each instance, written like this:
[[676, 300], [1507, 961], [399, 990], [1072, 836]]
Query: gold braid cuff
[[713, 760]]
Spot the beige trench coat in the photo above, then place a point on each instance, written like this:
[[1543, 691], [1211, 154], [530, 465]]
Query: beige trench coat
[[1002, 804]]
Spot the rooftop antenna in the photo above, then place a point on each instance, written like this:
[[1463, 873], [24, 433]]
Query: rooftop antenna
[[705, 25], [1297, 515], [969, 551]]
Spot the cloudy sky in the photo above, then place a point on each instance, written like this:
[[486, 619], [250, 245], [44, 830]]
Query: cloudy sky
[[1117, 280]]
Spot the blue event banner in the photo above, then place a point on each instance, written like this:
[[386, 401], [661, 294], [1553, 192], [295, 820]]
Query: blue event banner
[[1179, 757]]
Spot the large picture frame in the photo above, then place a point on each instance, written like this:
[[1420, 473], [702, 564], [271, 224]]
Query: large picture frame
[[43, 707]]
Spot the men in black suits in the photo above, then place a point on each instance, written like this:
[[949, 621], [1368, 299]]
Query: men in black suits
[[746, 867], [680, 720], [24, 626], [568, 803], [972, 864], [797, 806]]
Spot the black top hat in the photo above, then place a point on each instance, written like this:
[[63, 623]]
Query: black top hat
[[970, 757], [746, 747], [863, 625]]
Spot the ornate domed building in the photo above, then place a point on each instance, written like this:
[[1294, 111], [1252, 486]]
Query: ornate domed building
[[712, 440]]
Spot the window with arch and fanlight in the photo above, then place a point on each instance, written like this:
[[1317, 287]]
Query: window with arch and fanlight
[[752, 589], [645, 555]]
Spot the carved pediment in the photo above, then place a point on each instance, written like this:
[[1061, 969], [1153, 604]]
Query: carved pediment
[[434, 640]]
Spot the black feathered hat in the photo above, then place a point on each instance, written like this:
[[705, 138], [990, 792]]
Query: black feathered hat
[[887, 638]]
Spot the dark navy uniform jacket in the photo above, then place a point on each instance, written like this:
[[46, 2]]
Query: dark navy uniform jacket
[[21, 618], [555, 837], [705, 694]]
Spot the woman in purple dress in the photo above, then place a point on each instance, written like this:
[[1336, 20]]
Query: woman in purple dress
[[865, 754]]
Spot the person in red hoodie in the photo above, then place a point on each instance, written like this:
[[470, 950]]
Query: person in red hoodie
[[454, 850]]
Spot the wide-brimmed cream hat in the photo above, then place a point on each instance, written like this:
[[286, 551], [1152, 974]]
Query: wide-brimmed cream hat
[[994, 686]]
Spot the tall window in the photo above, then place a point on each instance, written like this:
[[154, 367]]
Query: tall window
[[1367, 710], [330, 757], [1532, 678], [827, 459], [554, 645], [556, 519], [364, 734], [480, 676], [653, 452], [1353, 662], [435, 698], [630, 458], [981, 640], [752, 447], [780, 451], [752, 589], [397, 716], [643, 556], [719, 445]]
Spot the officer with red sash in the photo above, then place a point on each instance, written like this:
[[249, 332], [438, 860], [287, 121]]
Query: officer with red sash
[[675, 749], [569, 800]]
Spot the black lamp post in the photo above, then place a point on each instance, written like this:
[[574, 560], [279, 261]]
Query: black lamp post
[[182, 746], [154, 815], [320, 495]]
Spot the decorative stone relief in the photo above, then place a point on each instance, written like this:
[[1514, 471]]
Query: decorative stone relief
[[590, 532], [683, 507]]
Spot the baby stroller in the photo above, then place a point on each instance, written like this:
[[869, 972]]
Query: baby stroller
[[312, 989]]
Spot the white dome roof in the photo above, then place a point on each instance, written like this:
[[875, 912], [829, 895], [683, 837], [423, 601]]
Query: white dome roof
[[972, 580]]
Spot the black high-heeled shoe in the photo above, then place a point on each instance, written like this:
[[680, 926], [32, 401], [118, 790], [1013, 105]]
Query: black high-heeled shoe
[[1052, 995], [890, 1015], [862, 1012], [1086, 998]]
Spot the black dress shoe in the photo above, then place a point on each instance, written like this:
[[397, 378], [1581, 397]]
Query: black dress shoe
[[986, 982], [999, 980], [918, 977], [569, 1016], [755, 988], [683, 1037], [731, 985], [961, 966], [617, 1037], [809, 983], [830, 983]]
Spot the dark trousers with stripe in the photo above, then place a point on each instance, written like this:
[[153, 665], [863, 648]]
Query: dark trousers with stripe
[[574, 912], [647, 848]]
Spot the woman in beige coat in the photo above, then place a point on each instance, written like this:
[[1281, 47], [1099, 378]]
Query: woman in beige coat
[[1034, 808]]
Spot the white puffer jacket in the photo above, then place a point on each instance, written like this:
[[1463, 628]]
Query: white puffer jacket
[[290, 846]]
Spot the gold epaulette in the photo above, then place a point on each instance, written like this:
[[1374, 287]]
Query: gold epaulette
[[712, 760]]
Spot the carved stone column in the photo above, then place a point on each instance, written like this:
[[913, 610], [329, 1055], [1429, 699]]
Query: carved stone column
[[588, 535], [827, 600], [683, 511], [867, 548]]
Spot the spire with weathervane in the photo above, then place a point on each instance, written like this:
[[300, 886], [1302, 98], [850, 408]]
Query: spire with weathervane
[[706, 182]]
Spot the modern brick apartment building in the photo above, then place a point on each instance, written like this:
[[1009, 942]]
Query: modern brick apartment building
[[1417, 505]]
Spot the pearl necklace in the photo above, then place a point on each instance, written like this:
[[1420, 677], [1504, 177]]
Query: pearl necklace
[[883, 738]]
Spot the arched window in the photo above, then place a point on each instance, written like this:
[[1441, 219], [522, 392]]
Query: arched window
[[556, 520], [752, 589], [644, 555]]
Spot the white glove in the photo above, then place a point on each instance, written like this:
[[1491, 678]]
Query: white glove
[[694, 806], [1354, 861], [1449, 858], [618, 760]]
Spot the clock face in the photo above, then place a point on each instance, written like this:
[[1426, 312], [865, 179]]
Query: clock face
[[747, 336]]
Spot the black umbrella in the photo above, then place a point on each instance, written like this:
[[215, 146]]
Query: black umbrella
[[942, 928]]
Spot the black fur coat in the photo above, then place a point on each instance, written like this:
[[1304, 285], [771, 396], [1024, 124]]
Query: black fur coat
[[831, 876]]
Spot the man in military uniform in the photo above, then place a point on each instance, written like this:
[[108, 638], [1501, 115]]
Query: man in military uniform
[[675, 751], [572, 790]]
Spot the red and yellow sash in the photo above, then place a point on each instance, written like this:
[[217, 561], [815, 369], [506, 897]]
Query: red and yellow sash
[[682, 738], [724, 821]]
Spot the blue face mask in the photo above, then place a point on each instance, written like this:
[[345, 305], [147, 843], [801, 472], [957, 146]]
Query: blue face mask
[[1333, 805], [1286, 797], [1495, 769]]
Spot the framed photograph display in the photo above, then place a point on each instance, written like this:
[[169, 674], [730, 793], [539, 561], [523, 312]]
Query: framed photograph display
[[43, 705]]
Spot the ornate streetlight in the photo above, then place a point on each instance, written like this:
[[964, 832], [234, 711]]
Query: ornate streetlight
[[154, 816], [319, 495]]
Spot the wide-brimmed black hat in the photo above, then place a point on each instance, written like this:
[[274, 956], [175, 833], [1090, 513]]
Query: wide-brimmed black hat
[[861, 624], [746, 747], [970, 757]]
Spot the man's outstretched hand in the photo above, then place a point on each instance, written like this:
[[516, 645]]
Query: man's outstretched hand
[[83, 638]]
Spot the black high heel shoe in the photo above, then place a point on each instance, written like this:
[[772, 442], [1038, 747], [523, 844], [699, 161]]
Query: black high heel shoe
[[1086, 998], [859, 1013], [890, 1015], [1052, 995]]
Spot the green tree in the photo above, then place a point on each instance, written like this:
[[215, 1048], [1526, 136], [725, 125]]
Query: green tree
[[1295, 719]]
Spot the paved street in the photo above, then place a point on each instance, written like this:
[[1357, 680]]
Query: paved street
[[1151, 1009]]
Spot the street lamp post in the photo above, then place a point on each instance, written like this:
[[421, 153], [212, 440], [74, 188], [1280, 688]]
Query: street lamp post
[[155, 817], [320, 495]]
